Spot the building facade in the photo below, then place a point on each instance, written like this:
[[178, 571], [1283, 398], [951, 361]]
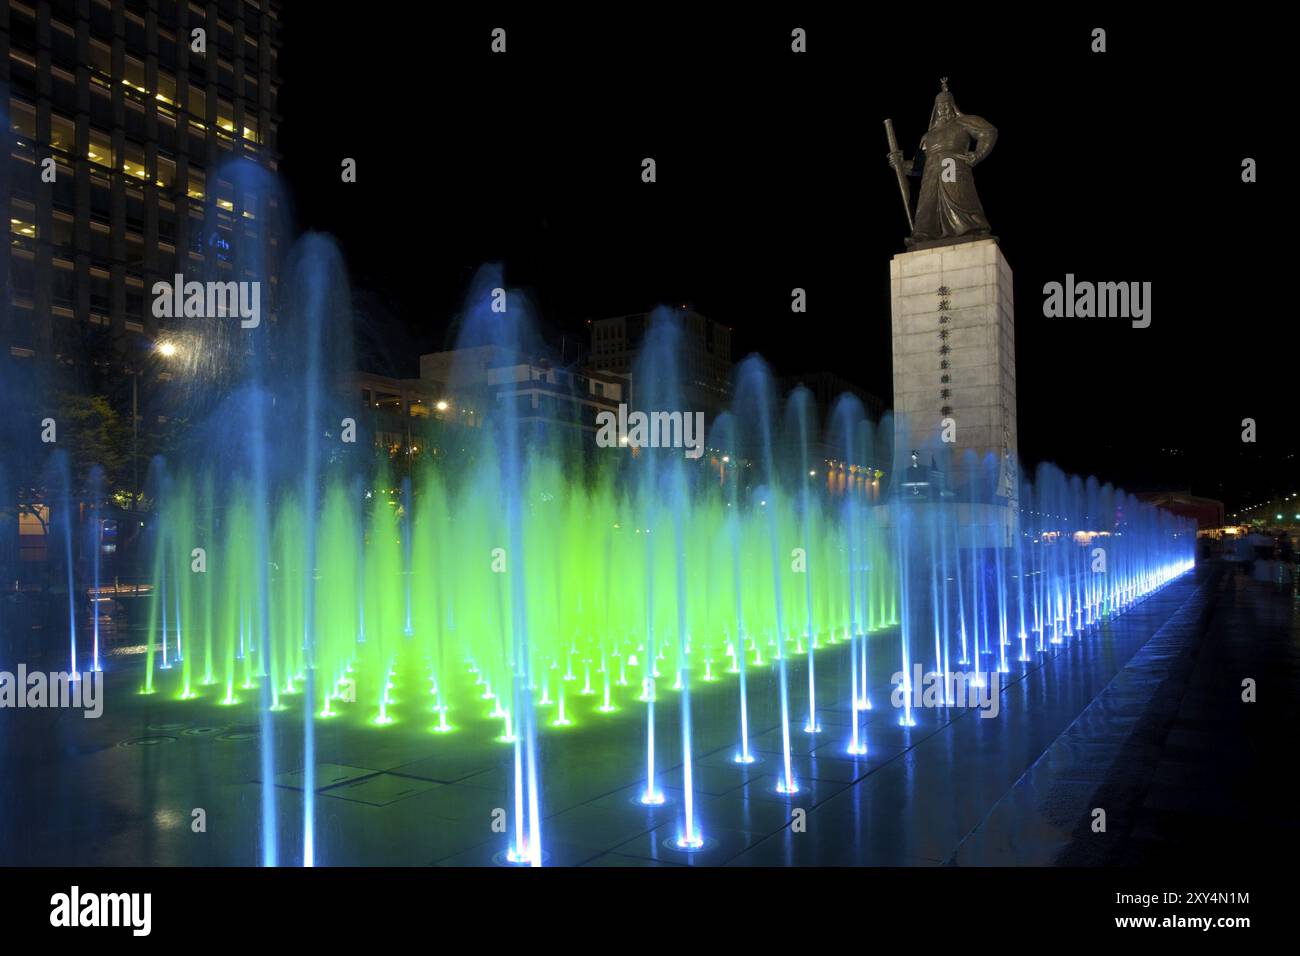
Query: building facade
[[705, 355], [417, 419], [542, 391], [863, 475], [123, 123], [1206, 512]]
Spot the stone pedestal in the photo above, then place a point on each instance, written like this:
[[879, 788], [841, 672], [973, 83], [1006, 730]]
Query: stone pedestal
[[955, 361]]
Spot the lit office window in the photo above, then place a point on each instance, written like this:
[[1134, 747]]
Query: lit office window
[[63, 133], [166, 88], [22, 120], [133, 161], [101, 149], [20, 225], [225, 116], [166, 172], [134, 75]]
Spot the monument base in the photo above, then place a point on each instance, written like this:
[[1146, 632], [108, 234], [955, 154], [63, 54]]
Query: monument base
[[955, 366], [976, 525]]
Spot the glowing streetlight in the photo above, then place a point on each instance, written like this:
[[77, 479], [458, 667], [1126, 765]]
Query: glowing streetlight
[[167, 349]]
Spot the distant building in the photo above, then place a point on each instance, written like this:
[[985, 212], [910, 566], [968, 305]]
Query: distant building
[[395, 411], [543, 390], [459, 387], [1207, 512], [861, 476], [826, 389], [545, 394], [704, 359]]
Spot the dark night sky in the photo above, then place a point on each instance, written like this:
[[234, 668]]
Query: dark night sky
[[1123, 166]]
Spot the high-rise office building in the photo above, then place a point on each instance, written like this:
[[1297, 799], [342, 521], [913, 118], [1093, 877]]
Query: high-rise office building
[[123, 123]]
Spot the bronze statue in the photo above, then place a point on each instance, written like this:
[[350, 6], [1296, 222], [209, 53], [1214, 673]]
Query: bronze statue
[[948, 209]]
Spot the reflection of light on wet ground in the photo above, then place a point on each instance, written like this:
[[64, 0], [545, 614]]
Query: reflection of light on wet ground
[[970, 791], [167, 819], [141, 589]]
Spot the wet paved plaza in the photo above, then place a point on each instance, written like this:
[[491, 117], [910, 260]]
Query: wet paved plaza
[[1143, 718]]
